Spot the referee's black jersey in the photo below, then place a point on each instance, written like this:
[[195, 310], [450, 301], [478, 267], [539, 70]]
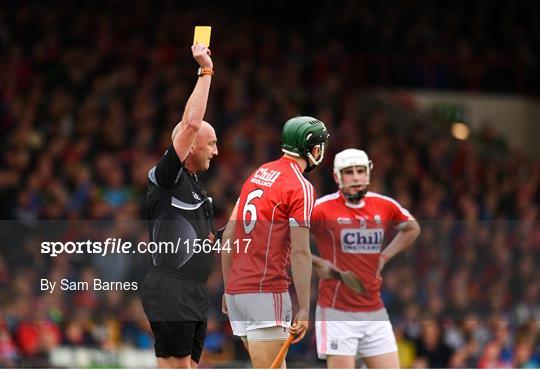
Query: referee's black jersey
[[180, 212]]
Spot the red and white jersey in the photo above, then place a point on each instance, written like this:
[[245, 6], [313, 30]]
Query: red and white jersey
[[351, 237], [274, 198]]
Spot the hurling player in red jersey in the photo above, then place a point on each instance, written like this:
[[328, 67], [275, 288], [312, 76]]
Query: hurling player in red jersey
[[273, 212], [349, 226]]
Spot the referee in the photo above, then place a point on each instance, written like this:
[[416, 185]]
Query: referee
[[174, 293]]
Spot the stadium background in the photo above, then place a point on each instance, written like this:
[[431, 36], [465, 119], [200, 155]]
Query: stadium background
[[89, 93]]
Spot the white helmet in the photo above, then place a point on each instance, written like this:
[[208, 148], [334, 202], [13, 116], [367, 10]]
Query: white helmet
[[350, 158]]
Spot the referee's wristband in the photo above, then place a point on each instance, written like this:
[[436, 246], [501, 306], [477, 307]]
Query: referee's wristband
[[203, 71]]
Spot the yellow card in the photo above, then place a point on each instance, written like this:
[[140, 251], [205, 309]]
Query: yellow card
[[202, 35]]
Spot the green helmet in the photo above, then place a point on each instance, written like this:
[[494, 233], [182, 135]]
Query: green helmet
[[300, 135]]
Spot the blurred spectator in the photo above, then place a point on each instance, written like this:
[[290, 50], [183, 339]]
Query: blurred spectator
[[8, 350], [431, 351]]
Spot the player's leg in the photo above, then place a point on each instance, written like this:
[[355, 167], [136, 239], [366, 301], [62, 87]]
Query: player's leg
[[378, 347], [259, 319], [337, 341], [340, 362], [262, 354], [236, 319], [385, 361], [264, 345], [268, 317]]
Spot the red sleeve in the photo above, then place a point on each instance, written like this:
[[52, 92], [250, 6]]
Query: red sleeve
[[317, 218], [300, 201], [398, 214]]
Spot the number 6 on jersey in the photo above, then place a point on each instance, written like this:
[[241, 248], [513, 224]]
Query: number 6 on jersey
[[252, 210]]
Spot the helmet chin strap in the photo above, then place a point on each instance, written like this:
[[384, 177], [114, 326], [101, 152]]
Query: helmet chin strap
[[312, 162], [354, 198]]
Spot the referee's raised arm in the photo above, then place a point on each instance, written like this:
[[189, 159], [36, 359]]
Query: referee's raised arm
[[184, 134]]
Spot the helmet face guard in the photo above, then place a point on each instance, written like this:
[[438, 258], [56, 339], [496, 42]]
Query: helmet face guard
[[301, 135], [352, 158]]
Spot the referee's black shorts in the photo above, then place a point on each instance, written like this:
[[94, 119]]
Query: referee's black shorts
[[177, 310]]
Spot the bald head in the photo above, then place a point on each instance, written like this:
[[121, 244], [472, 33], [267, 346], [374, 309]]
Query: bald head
[[203, 150], [206, 130]]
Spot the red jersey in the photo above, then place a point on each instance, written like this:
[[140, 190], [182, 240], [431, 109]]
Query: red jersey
[[275, 197], [351, 237]]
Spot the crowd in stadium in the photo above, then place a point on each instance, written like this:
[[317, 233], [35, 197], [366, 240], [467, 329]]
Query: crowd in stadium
[[88, 101]]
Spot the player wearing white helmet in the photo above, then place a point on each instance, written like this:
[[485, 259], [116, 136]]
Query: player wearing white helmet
[[349, 226], [353, 160]]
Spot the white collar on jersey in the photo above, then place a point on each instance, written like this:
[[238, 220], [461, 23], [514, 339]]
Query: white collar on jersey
[[352, 205]]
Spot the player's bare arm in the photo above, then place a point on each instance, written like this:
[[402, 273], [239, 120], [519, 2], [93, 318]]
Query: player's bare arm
[[301, 274], [186, 131], [226, 260], [404, 239]]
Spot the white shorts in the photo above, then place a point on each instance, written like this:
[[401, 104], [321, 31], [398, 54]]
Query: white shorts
[[359, 334], [251, 311]]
